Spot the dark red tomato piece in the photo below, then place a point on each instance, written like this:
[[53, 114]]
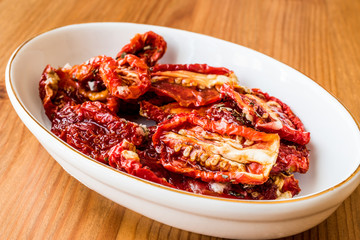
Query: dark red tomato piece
[[93, 129], [292, 158]]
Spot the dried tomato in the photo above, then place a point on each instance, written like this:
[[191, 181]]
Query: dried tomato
[[93, 129], [57, 90], [290, 184], [271, 189], [89, 83], [191, 85], [267, 113], [292, 157], [74, 85], [89, 69], [150, 47], [127, 78], [215, 150]]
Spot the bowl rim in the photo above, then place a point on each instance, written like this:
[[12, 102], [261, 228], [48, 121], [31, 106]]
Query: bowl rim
[[24, 109]]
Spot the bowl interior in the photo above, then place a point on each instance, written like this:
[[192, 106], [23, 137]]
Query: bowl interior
[[335, 138]]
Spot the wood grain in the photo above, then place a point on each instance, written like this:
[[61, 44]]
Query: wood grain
[[39, 200]]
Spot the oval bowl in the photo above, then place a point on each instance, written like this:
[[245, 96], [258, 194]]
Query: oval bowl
[[334, 165]]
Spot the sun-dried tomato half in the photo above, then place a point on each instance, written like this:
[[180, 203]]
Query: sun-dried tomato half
[[277, 186], [74, 85], [215, 150], [267, 113], [89, 83], [191, 85], [150, 47], [93, 129], [57, 90], [292, 157], [127, 78], [87, 70]]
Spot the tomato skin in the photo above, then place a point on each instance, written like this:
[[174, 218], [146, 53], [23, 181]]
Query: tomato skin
[[164, 112], [186, 96], [153, 112], [48, 92], [197, 68], [293, 130]]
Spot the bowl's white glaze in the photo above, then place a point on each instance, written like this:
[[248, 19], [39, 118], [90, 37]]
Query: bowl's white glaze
[[335, 154]]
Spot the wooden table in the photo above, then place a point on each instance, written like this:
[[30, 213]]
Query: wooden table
[[39, 200]]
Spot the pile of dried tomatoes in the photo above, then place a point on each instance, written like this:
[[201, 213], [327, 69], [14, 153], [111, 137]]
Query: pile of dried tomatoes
[[210, 135]]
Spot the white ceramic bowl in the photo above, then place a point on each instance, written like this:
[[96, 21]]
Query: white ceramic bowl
[[335, 153]]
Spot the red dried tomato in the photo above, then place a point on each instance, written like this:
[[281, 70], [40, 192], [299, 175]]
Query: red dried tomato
[[127, 78], [93, 129], [268, 114], [191, 85], [150, 47], [88, 69], [215, 150], [292, 157], [57, 90], [266, 191]]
